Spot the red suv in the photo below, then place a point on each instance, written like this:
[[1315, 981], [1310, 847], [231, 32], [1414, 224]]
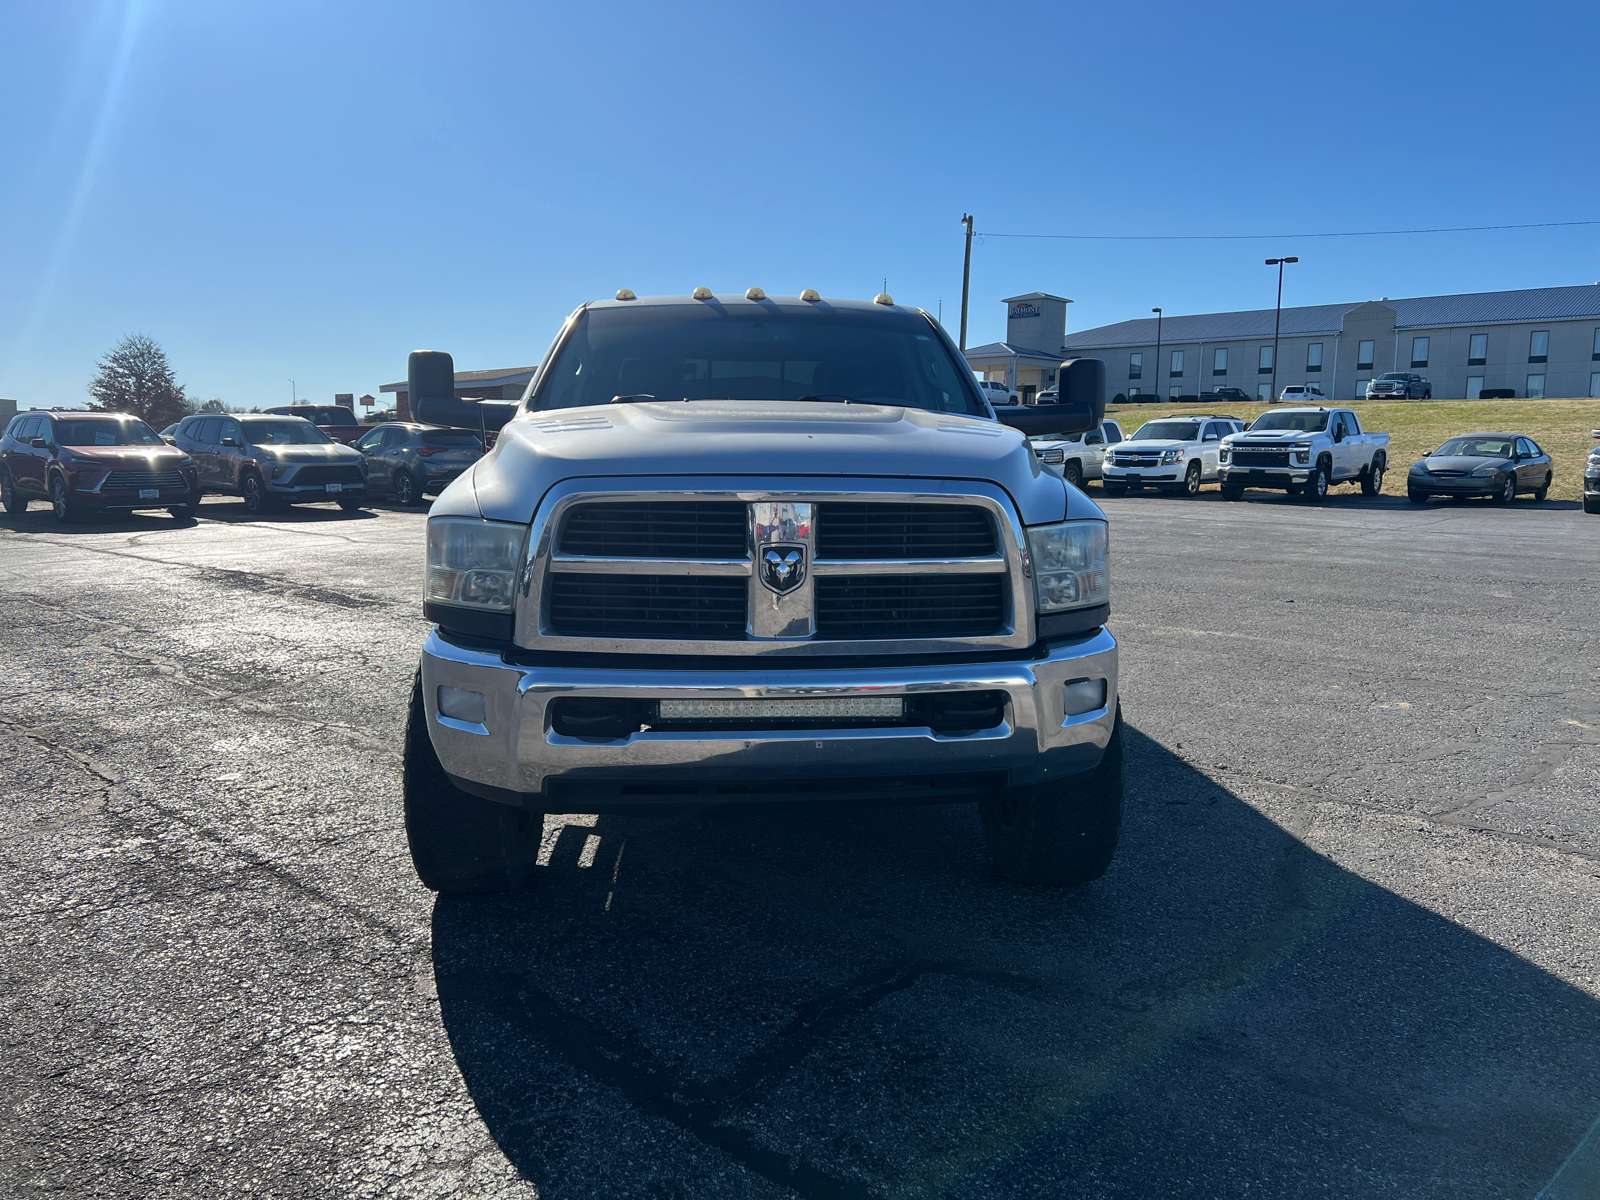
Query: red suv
[[83, 462]]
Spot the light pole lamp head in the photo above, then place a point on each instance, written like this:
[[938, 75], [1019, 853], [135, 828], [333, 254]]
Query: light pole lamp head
[[1155, 310], [1272, 262]]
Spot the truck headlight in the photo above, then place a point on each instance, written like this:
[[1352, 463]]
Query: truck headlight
[[1302, 456], [1223, 452], [474, 563], [1069, 565]]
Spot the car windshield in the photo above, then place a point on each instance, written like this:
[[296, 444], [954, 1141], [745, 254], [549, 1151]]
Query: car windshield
[[1475, 447], [435, 437], [1395, 375], [1057, 437], [757, 352], [291, 431], [1175, 431], [1306, 422], [105, 431]]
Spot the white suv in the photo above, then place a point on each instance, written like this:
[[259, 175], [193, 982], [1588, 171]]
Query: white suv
[[1176, 454], [1076, 457]]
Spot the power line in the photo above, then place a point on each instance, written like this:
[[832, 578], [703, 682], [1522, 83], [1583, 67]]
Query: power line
[[1252, 237]]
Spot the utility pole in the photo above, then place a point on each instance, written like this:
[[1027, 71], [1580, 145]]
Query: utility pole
[[1277, 322], [1160, 378], [966, 278], [293, 395]]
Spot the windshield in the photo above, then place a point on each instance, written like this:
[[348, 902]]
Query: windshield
[[289, 432], [1475, 447], [434, 437], [1395, 375], [763, 352], [90, 431], [1176, 431], [1306, 422]]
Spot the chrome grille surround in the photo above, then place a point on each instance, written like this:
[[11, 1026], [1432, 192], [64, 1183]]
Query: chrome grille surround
[[779, 624]]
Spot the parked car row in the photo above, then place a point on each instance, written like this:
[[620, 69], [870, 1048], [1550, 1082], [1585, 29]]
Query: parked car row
[[1303, 451], [1591, 478], [83, 463]]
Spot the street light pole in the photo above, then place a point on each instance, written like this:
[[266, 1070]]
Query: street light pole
[[1160, 378], [1277, 321], [966, 278]]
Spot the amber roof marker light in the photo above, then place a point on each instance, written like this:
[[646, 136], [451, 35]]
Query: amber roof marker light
[[810, 296], [701, 293], [755, 294], [626, 294]]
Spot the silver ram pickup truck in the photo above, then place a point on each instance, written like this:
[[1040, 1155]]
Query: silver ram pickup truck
[[740, 549]]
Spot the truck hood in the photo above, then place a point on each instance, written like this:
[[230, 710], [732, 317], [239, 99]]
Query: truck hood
[[756, 438], [1275, 435]]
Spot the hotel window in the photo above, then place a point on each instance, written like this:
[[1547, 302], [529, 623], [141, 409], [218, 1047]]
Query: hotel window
[[1264, 391], [1539, 346], [1219, 361], [1594, 385], [1474, 386], [1478, 351], [1314, 356], [1364, 357], [1135, 366], [1419, 352], [1264, 365], [1177, 364], [1535, 387]]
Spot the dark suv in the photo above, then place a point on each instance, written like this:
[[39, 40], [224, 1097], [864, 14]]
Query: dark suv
[[272, 461], [83, 462], [411, 461]]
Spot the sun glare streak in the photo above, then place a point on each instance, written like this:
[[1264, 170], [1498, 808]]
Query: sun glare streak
[[88, 169]]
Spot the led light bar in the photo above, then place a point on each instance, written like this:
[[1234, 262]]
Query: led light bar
[[820, 706]]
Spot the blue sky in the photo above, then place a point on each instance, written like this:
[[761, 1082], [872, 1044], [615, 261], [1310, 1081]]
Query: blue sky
[[307, 191]]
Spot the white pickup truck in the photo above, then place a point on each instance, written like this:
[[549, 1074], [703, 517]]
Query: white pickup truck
[[1303, 451], [748, 549]]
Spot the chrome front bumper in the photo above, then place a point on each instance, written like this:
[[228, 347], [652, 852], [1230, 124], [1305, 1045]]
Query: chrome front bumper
[[517, 757]]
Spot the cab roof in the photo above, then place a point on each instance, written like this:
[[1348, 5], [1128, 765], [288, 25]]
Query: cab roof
[[737, 299]]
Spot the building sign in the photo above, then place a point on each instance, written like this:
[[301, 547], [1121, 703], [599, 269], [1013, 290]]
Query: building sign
[[345, 399], [366, 402], [1021, 311]]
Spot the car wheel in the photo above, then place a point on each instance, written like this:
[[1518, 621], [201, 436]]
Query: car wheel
[[1591, 504], [1232, 491], [61, 501], [1316, 487], [1072, 473], [181, 512], [1543, 490], [1191, 480], [1417, 497], [461, 842], [13, 501], [1113, 489], [353, 504], [404, 489], [1372, 481], [1294, 489], [257, 499], [1506, 491], [1062, 832]]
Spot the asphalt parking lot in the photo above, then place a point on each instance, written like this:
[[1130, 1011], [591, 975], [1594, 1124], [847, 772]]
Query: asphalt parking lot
[[1348, 947]]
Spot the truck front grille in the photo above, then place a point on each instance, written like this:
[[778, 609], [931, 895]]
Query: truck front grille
[[853, 532], [669, 529], [910, 606], [1260, 458], [647, 606]]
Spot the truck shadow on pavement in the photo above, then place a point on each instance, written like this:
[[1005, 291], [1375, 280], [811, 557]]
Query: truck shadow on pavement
[[853, 1004]]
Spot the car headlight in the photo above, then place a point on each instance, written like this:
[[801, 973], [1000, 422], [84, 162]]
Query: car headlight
[[1223, 452], [1490, 469], [474, 563], [1171, 456], [1069, 565], [1420, 468], [1056, 455]]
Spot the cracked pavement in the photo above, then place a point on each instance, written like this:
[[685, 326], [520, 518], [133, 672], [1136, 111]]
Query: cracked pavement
[[1348, 947]]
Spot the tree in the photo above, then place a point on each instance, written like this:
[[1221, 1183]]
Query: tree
[[135, 377]]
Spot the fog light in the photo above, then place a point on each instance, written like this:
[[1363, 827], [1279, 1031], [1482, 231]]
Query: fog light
[[1083, 695], [461, 705]]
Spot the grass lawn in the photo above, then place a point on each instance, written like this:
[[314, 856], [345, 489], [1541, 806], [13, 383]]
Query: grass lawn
[[1561, 427]]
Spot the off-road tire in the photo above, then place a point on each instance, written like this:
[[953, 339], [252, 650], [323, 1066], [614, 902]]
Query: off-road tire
[[1506, 491], [1316, 485], [61, 501], [1417, 497], [13, 500], [1191, 481], [1232, 491], [1062, 832], [461, 842], [1542, 492], [257, 499], [403, 489], [1372, 478]]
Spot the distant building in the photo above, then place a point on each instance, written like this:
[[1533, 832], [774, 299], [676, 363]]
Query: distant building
[[506, 384], [1532, 343], [8, 409], [1027, 361]]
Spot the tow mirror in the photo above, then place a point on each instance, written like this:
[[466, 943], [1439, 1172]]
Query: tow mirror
[[431, 383], [1080, 402]]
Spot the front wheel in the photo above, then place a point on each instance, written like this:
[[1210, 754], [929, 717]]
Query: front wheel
[[1506, 491], [13, 501], [1073, 474], [181, 512], [1417, 497], [1191, 480], [461, 842], [1372, 481], [353, 504], [256, 498], [1063, 832], [1233, 491], [61, 501], [1113, 489], [1316, 487], [1591, 504]]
